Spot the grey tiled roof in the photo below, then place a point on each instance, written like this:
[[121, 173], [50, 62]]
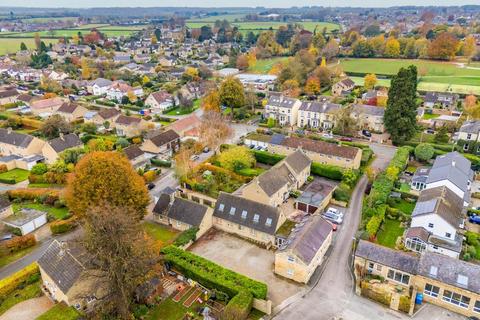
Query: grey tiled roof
[[315, 193], [370, 110], [63, 264], [68, 141], [404, 261], [319, 107], [4, 203], [164, 137], [14, 138], [453, 167], [298, 161], [281, 101], [187, 211], [162, 204], [133, 152], [274, 179], [472, 126], [251, 208]]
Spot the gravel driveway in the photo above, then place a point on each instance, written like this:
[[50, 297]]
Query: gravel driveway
[[28, 310]]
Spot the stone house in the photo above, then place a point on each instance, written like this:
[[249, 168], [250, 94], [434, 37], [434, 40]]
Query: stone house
[[283, 109], [51, 149], [159, 101], [368, 117], [342, 87], [14, 143], [71, 111], [164, 143], [130, 126], [317, 114], [46, 107], [109, 115]]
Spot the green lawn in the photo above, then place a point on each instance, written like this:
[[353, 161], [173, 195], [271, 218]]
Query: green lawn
[[286, 227], [428, 116], [60, 312], [57, 213], [402, 205], [423, 137], [389, 232], [4, 260], [177, 111], [159, 232], [250, 172], [110, 31], [257, 27], [265, 65], [18, 175], [405, 187], [30, 291], [45, 185], [12, 45]]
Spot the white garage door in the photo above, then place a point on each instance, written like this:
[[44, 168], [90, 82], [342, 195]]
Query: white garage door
[[40, 221], [27, 228]]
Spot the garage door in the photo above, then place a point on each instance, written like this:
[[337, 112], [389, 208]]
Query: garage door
[[312, 209], [40, 221], [27, 228], [302, 206]]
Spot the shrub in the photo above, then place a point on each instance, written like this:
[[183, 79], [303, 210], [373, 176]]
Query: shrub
[[39, 169], [186, 236], [63, 226], [8, 181], [404, 304], [342, 193], [27, 194], [161, 163], [327, 171], [12, 282], [212, 275], [3, 168], [267, 157], [424, 152], [18, 243], [149, 176], [238, 307]]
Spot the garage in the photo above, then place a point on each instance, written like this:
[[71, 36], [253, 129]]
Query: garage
[[27, 220]]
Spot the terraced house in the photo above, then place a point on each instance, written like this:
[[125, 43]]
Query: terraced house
[[283, 109], [444, 281], [317, 114]]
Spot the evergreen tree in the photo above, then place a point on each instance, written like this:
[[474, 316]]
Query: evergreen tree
[[401, 111], [23, 46]]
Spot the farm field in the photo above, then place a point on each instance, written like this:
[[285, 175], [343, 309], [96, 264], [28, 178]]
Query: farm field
[[228, 17], [257, 27], [12, 45], [265, 65]]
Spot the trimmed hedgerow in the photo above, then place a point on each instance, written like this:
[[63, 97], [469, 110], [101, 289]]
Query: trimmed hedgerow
[[327, 171], [212, 275], [186, 236], [267, 157], [239, 307]]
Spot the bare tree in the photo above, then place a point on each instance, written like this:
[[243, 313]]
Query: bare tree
[[214, 130]]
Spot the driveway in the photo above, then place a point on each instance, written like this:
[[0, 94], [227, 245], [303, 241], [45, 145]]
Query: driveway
[[245, 258], [28, 310], [383, 155]]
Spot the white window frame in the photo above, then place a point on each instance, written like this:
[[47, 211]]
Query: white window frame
[[431, 291], [458, 302]]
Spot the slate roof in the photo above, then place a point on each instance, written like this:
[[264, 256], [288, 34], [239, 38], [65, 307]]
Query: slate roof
[[101, 82], [67, 108], [369, 110], [321, 147], [252, 208], [421, 175], [108, 113], [25, 97], [418, 232], [274, 179], [471, 126], [281, 102], [441, 207], [347, 82], [319, 107], [453, 167], [315, 193], [308, 240], [187, 211], [442, 192], [14, 138], [4, 203], [164, 137], [127, 120], [65, 142], [400, 260], [277, 139], [162, 204], [448, 270], [8, 93], [24, 216], [64, 263], [133, 152], [298, 161]]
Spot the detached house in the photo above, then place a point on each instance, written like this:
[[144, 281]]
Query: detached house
[[130, 126], [68, 275], [273, 187], [445, 100], [136, 156], [71, 111], [368, 117], [119, 89], [343, 87], [8, 95], [46, 107], [159, 101], [99, 87], [317, 114], [105, 115], [283, 109], [247, 218], [164, 143], [19, 144], [52, 149], [468, 135], [298, 258]]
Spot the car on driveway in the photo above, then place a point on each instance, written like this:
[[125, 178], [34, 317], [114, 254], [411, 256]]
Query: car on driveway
[[328, 135], [347, 139], [366, 133], [335, 211], [474, 219], [332, 218]]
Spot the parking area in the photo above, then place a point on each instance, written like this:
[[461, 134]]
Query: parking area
[[246, 258]]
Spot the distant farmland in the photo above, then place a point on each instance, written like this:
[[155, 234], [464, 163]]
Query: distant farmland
[[12, 45]]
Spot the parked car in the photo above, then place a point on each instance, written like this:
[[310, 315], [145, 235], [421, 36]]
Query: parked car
[[474, 219], [366, 133], [348, 139], [206, 150], [328, 135], [252, 146], [259, 148], [194, 157], [6, 237], [150, 186], [335, 211], [332, 218], [430, 131]]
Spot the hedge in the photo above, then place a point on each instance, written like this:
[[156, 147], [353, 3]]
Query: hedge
[[238, 307], [44, 194], [17, 243], [267, 157], [327, 171], [212, 275], [12, 282], [63, 226], [161, 163], [8, 181], [186, 236]]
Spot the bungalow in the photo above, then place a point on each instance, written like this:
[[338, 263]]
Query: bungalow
[[342, 87], [187, 127], [164, 143], [72, 111], [46, 107], [14, 143], [304, 250], [182, 214], [247, 218], [26, 99], [444, 281], [273, 187], [68, 274], [159, 101], [51, 149], [130, 126]]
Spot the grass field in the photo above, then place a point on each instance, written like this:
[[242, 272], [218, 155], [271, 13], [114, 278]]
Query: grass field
[[437, 75], [265, 65], [389, 232], [228, 17], [28, 292], [256, 27], [12, 45]]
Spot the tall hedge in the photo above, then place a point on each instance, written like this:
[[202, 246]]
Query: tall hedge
[[212, 275], [267, 157], [239, 307], [327, 171], [10, 283]]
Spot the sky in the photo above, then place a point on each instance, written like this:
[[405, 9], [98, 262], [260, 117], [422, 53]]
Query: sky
[[229, 3]]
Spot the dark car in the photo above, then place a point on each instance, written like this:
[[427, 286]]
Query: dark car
[[474, 219], [348, 139], [366, 133], [150, 186]]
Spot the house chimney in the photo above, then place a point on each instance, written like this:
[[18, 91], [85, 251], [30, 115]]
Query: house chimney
[[453, 163], [9, 130], [61, 136]]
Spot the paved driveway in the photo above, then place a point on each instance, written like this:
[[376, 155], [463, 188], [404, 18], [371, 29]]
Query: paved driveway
[[245, 258], [28, 310]]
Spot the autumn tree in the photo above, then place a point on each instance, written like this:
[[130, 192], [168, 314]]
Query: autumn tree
[[38, 41], [183, 162], [345, 125], [54, 126], [106, 177], [86, 72], [99, 144], [236, 158], [242, 62], [123, 258], [392, 48], [370, 81], [291, 88], [471, 107], [312, 86], [214, 130], [211, 102], [444, 47], [331, 49], [231, 93], [469, 47]]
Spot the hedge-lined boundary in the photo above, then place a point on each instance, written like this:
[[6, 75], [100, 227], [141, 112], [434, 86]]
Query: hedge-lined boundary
[[212, 275], [239, 307], [10, 283]]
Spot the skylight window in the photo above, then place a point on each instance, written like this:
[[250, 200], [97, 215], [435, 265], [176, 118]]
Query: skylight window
[[256, 218], [268, 223], [221, 207], [232, 211], [462, 280], [244, 214]]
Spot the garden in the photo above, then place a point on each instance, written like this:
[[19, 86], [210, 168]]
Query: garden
[[60, 312], [160, 234], [14, 176]]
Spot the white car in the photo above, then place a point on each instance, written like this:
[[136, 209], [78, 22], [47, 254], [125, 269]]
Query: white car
[[333, 218], [327, 135], [335, 211]]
